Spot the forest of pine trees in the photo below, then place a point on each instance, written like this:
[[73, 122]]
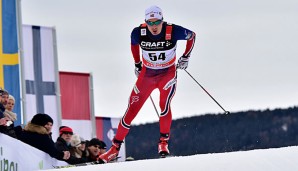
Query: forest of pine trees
[[217, 133]]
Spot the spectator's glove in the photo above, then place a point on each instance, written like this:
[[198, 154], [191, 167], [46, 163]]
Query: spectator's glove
[[8, 123], [183, 62], [138, 68]]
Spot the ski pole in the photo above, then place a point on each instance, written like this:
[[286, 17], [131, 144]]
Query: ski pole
[[154, 106], [226, 112]]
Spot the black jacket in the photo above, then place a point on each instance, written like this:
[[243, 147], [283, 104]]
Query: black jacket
[[2, 109], [8, 130], [38, 137]]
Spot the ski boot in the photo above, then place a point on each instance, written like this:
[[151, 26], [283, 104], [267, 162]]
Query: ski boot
[[163, 149], [112, 153]]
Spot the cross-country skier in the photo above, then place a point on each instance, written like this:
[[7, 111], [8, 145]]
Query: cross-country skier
[[157, 69]]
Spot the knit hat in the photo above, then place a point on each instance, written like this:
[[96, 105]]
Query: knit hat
[[96, 141], [65, 129], [41, 119], [82, 140], [11, 97], [153, 12], [75, 141], [103, 145]]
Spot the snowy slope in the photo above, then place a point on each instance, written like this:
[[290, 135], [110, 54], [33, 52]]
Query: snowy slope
[[279, 159]]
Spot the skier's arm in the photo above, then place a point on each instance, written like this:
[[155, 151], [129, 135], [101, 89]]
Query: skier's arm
[[190, 44], [135, 50], [190, 36], [135, 47], [181, 33]]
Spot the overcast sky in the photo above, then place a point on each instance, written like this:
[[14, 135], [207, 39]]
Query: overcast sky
[[245, 53]]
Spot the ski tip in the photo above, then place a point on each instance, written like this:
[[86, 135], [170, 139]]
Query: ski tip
[[100, 161], [163, 154]]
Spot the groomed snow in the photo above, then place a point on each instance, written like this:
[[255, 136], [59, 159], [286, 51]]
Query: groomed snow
[[278, 159]]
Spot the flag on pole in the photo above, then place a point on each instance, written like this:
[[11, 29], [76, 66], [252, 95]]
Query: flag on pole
[[77, 103], [9, 57], [41, 74], [106, 129]]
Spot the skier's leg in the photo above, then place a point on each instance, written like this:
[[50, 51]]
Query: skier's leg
[[140, 93], [165, 106], [138, 96], [167, 88], [136, 101]]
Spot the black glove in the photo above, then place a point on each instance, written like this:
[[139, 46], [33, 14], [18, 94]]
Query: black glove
[[138, 68]]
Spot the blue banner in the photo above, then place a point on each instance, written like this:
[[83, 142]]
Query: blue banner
[[9, 58]]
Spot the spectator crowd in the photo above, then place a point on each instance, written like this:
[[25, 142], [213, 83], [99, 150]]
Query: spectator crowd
[[69, 147]]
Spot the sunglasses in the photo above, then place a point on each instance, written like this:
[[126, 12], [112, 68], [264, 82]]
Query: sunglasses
[[151, 23], [69, 133]]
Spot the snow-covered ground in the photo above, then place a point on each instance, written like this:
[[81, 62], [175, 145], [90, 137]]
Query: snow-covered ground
[[279, 159]]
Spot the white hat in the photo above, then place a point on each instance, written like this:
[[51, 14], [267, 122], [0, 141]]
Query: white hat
[[153, 12], [11, 97], [75, 141]]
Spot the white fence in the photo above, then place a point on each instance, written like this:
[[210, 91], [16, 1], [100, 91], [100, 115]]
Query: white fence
[[18, 156]]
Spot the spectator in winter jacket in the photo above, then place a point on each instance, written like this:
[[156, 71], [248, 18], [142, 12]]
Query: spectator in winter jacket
[[11, 118], [2, 107], [8, 116], [5, 96], [76, 149], [10, 103], [82, 147], [3, 119], [95, 148], [49, 127], [63, 143], [103, 148], [36, 135]]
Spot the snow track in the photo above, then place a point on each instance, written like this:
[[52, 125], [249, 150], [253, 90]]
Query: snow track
[[277, 159]]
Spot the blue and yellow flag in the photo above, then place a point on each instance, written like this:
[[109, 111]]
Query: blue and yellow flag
[[9, 58]]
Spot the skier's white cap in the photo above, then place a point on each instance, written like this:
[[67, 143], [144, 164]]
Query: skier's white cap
[[153, 12]]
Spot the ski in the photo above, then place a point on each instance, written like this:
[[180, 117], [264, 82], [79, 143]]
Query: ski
[[86, 164], [77, 165], [165, 156]]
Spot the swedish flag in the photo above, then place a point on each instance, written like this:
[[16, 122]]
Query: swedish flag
[[9, 58]]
